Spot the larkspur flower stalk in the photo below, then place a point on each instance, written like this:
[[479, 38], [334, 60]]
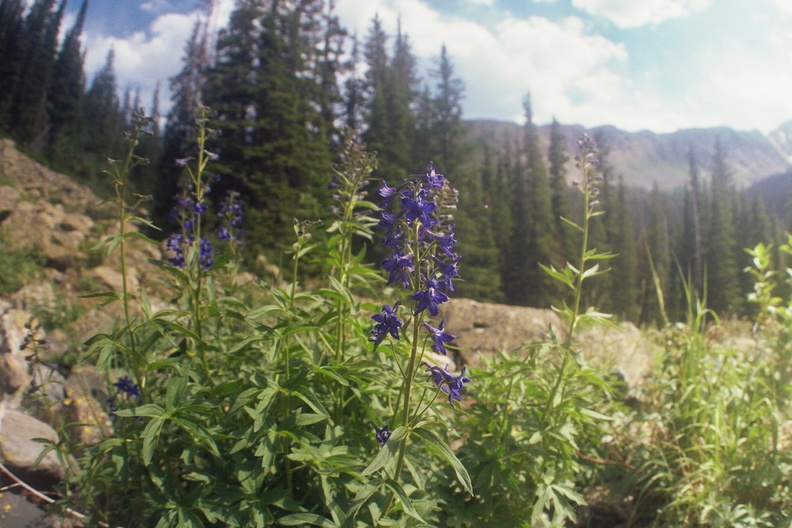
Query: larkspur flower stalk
[[418, 223], [190, 248], [121, 172], [589, 185], [349, 179]]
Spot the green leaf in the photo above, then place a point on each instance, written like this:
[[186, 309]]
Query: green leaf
[[141, 236], [301, 519], [434, 443], [308, 419], [550, 270], [387, 452], [149, 410], [363, 495], [150, 436], [409, 509], [595, 414], [311, 400]]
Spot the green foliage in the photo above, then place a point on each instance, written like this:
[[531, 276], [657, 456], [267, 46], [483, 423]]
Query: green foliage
[[713, 455]]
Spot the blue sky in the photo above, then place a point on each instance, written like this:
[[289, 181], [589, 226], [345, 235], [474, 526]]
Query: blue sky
[[660, 65]]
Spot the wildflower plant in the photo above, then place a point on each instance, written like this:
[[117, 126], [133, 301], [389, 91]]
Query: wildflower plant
[[537, 406], [417, 220]]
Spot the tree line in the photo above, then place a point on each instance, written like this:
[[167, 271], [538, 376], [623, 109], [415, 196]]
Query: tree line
[[285, 81]]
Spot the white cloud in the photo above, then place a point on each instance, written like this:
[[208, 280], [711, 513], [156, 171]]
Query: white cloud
[[143, 58], [156, 6], [572, 73], [569, 72], [785, 6], [637, 13]]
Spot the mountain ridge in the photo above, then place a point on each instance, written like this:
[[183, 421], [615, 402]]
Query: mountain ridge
[[645, 158]]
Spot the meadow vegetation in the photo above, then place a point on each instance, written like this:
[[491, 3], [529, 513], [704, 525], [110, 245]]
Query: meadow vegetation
[[336, 401]]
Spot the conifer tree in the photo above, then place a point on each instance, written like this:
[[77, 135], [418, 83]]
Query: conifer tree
[[658, 272], [516, 283], [272, 141], [624, 277], [391, 87], [540, 241], [354, 88], [28, 113], [723, 294], [65, 96], [449, 129], [103, 115], [693, 227], [186, 94], [559, 197], [12, 33]]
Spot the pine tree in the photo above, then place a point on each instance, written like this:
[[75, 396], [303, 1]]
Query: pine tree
[[449, 130], [540, 242], [721, 267], [391, 88], [28, 114], [12, 33], [657, 247], [65, 97], [354, 88], [186, 87], [565, 235], [103, 115], [516, 283], [694, 233], [272, 140]]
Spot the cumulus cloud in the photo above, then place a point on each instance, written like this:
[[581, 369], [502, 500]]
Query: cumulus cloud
[[568, 71], [572, 73], [632, 13], [146, 57]]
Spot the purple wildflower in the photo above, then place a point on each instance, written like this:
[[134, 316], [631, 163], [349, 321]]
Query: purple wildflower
[[382, 434], [124, 387], [430, 297], [205, 253], [439, 336], [417, 207], [399, 268], [451, 385], [174, 244], [388, 322], [433, 179]]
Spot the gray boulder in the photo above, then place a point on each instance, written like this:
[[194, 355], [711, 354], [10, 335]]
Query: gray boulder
[[19, 450]]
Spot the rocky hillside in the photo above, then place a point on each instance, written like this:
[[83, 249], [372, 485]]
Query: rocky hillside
[[645, 158]]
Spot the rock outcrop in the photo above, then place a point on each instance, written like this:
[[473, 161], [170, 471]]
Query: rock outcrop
[[484, 329]]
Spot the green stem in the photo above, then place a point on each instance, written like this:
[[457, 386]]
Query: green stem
[[123, 218], [574, 316]]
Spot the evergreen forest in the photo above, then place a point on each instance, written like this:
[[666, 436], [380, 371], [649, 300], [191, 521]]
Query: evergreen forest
[[286, 84]]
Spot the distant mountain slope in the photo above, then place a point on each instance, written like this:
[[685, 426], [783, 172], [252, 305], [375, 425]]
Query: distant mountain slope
[[645, 158]]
